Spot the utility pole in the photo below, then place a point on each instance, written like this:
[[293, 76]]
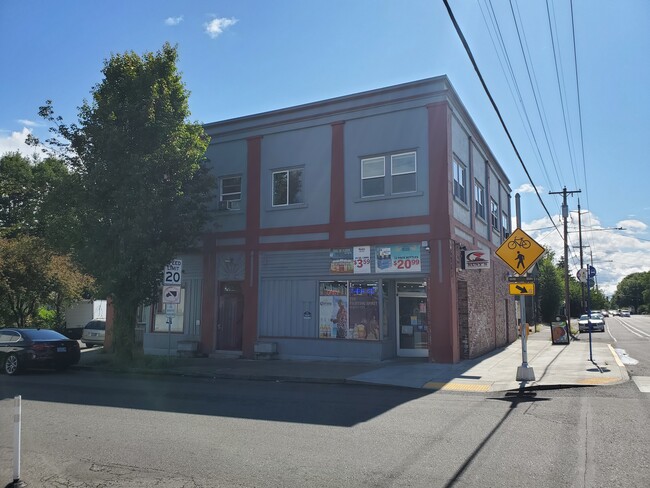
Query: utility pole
[[565, 214], [583, 303]]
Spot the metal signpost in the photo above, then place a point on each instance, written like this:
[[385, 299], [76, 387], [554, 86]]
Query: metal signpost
[[520, 252], [587, 275], [171, 296]]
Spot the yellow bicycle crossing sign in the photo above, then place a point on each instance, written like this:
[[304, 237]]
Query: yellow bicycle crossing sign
[[520, 251]]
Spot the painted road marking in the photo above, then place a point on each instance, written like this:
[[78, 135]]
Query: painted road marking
[[634, 330], [433, 385], [628, 360], [598, 381], [643, 383], [616, 358]]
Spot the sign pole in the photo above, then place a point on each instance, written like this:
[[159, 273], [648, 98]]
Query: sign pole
[[524, 372]]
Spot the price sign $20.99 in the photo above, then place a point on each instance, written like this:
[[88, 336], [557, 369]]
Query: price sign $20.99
[[407, 263]]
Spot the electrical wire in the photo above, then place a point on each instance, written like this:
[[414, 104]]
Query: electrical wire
[[496, 109]]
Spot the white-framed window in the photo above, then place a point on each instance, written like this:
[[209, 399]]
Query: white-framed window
[[287, 187], [479, 200], [230, 193], [375, 182], [460, 181], [373, 172], [505, 228], [403, 168], [494, 213]]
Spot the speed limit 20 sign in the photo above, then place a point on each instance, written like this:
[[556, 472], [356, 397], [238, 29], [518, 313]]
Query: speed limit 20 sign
[[173, 273]]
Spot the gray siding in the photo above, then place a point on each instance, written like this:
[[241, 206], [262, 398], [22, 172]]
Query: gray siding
[[310, 149], [393, 132]]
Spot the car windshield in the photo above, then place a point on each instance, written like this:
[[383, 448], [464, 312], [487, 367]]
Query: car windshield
[[42, 334]]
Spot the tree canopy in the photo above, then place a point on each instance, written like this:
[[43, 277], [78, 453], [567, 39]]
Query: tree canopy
[[143, 188]]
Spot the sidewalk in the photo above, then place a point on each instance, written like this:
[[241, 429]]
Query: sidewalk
[[553, 365]]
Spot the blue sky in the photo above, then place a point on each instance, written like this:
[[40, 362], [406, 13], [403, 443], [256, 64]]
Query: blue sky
[[244, 57]]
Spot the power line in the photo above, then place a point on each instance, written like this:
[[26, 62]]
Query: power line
[[494, 105]]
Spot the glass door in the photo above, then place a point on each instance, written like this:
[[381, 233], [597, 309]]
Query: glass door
[[412, 325]]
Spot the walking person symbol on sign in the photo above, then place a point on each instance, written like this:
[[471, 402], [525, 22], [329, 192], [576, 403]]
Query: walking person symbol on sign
[[520, 260]]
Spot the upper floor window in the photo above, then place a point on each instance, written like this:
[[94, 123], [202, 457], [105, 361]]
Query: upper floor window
[[494, 213], [460, 185], [230, 193], [479, 199], [403, 171], [287, 187], [372, 177], [504, 225]]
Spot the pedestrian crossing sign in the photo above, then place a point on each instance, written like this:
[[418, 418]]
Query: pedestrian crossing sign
[[520, 251]]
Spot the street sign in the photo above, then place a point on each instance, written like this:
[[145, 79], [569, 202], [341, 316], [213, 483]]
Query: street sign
[[170, 310], [592, 271], [171, 294], [582, 275], [173, 272], [520, 251], [522, 288], [520, 279]]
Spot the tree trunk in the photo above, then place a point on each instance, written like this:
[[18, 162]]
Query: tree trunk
[[124, 328]]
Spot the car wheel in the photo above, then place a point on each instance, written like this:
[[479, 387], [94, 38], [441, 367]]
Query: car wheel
[[11, 365]]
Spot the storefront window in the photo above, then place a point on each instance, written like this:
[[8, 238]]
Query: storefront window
[[333, 309], [364, 311], [349, 310]]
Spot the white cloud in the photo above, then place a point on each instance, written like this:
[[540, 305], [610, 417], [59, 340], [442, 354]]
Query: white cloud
[[173, 20], [29, 123], [614, 253], [15, 141], [528, 188], [215, 27], [633, 226]]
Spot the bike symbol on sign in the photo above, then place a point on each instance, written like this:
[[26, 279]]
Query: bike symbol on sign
[[519, 242]]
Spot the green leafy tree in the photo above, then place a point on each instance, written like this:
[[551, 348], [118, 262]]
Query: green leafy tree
[[143, 185], [17, 195], [632, 291], [551, 288]]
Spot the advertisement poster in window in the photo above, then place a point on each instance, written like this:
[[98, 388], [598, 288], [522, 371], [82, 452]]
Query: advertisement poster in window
[[398, 259], [362, 259], [333, 310], [364, 311], [341, 261]]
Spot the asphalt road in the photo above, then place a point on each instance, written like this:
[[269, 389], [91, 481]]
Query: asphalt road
[[88, 429]]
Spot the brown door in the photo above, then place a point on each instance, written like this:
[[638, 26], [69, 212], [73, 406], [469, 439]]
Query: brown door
[[230, 317]]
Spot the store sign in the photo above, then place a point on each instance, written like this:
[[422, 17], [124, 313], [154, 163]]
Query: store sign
[[398, 259], [341, 261], [477, 259]]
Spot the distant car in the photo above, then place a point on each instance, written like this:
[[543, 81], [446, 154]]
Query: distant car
[[597, 323], [605, 313], [94, 333], [615, 313], [625, 313], [27, 348]]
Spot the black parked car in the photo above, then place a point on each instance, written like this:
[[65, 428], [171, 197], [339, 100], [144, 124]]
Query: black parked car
[[24, 348]]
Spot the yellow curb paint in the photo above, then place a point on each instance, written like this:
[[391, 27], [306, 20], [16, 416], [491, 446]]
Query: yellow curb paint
[[599, 381], [616, 358], [456, 386]]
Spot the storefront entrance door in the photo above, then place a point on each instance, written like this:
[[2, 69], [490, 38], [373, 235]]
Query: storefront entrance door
[[230, 318], [412, 325]]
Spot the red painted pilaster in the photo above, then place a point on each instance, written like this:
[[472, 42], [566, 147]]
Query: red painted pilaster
[[250, 286], [337, 187], [208, 302], [442, 290]]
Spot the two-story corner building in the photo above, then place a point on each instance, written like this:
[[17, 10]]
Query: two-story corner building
[[339, 231]]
